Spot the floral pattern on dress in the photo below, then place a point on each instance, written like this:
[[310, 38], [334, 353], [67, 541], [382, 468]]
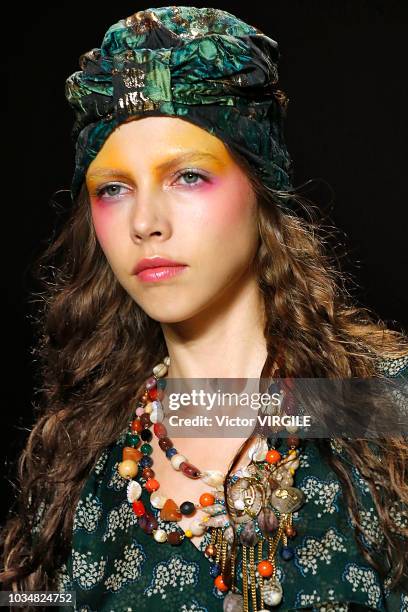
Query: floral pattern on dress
[[88, 513], [87, 571], [119, 519], [363, 579], [315, 600], [175, 573], [316, 550], [116, 481], [321, 493], [128, 567]]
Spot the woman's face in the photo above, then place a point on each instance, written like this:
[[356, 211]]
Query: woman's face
[[162, 186]]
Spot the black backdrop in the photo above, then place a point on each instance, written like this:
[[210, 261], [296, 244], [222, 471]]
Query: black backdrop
[[343, 67]]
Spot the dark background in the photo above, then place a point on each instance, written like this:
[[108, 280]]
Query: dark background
[[343, 67]]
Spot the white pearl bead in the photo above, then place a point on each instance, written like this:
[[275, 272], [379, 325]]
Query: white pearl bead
[[157, 500], [239, 504], [176, 461], [160, 370], [134, 491], [157, 415], [166, 361], [212, 477], [160, 535], [196, 528]]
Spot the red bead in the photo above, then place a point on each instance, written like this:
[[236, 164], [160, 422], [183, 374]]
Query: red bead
[[152, 485], [220, 584], [160, 430], [147, 473], [174, 538], [273, 456], [138, 508], [165, 443], [189, 470], [145, 420], [265, 569], [153, 393], [136, 425], [207, 499], [148, 522]]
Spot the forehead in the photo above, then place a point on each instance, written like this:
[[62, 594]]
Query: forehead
[[160, 135]]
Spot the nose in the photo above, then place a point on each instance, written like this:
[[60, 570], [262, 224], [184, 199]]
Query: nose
[[147, 217]]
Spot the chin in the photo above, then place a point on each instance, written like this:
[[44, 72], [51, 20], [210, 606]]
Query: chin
[[170, 312]]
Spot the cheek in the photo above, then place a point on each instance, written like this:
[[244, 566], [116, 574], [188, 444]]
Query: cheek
[[230, 209], [105, 223]]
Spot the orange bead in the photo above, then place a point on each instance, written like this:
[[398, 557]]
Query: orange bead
[[136, 425], [265, 569], [273, 456], [131, 453], [207, 499], [152, 485], [220, 584], [170, 511]]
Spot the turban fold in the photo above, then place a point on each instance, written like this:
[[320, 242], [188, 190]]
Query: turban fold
[[200, 64]]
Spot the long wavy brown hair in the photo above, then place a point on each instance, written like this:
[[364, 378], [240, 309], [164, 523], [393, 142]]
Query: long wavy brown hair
[[95, 347]]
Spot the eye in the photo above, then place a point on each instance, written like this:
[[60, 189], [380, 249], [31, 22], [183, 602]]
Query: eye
[[190, 176], [111, 190]]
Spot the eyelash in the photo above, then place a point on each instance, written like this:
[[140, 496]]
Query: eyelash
[[101, 190]]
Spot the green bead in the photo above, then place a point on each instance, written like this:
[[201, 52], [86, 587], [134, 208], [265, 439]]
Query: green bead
[[161, 383], [132, 439], [146, 449]]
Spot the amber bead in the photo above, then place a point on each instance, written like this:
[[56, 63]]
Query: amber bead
[[265, 569], [290, 531], [207, 499], [136, 425], [189, 470], [165, 443], [131, 453], [170, 511], [145, 420], [160, 430], [273, 456], [147, 473], [174, 538]]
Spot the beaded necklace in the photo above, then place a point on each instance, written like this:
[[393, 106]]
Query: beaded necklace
[[257, 514]]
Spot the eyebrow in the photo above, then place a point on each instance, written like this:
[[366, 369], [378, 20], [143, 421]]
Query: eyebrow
[[188, 156]]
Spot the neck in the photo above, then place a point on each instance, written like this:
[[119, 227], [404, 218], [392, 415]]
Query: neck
[[233, 327]]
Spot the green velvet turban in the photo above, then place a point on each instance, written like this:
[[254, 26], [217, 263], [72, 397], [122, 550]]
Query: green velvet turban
[[203, 65]]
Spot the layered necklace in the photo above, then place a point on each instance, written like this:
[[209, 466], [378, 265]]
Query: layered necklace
[[257, 515]]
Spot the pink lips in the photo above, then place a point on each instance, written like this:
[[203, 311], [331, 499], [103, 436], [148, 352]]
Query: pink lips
[[157, 268]]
